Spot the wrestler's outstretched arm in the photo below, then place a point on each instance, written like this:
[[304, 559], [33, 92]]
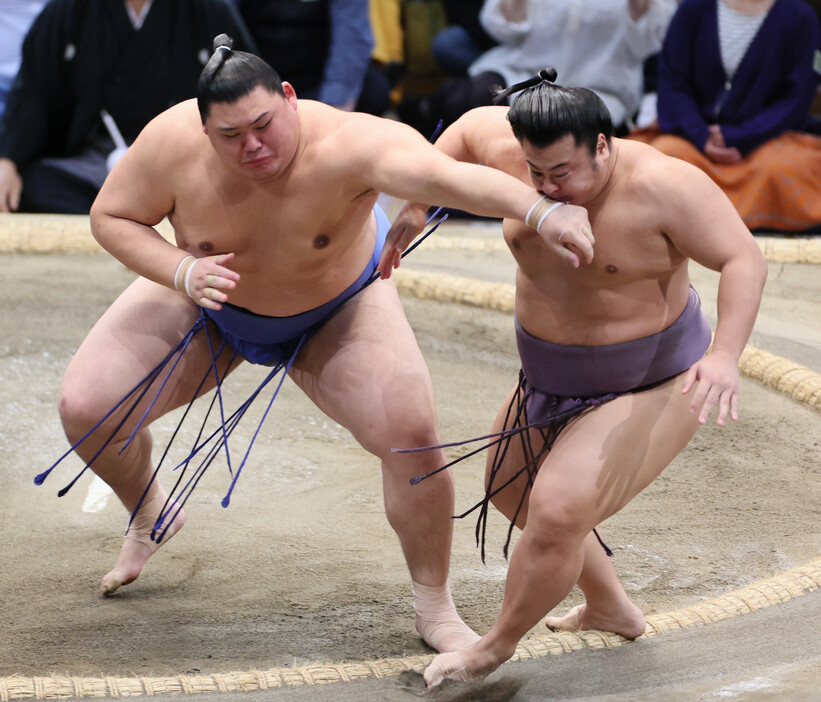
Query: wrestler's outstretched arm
[[483, 136]]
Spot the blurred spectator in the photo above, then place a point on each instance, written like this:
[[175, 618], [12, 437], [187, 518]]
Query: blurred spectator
[[597, 44], [736, 82], [323, 48], [388, 34], [15, 20], [131, 58], [460, 43]]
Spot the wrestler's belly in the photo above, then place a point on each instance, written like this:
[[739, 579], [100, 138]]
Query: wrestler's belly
[[283, 284], [591, 316]]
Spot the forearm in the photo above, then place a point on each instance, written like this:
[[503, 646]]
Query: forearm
[[137, 246], [739, 296], [482, 190]]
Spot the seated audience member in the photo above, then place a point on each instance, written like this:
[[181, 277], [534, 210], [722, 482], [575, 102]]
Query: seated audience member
[[596, 44], [81, 59], [464, 39], [15, 20], [324, 47], [737, 79]]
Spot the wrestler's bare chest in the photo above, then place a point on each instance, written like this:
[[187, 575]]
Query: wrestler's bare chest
[[633, 287], [296, 219], [628, 246], [294, 245]]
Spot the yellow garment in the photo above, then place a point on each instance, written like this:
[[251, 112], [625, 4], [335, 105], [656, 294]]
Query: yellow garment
[[776, 186], [423, 20], [389, 39]]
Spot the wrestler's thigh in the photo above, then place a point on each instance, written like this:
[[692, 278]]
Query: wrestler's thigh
[[130, 339], [607, 456], [365, 370], [505, 460]]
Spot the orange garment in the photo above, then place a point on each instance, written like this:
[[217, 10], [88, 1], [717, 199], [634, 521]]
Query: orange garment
[[776, 186]]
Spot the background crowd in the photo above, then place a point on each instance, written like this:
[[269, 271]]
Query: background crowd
[[729, 85]]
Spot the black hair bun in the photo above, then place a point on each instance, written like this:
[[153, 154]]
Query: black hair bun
[[223, 40]]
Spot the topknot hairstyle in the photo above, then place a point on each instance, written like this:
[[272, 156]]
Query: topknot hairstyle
[[500, 94], [230, 75], [544, 112]]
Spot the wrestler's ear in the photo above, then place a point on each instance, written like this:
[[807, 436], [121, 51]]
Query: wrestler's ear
[[290, 93], [601, 145]]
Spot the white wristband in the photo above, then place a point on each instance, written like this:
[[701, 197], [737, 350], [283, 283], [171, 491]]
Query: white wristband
[[539, 210], [533, 207], [188, 276], [183, 267], [550, 209]]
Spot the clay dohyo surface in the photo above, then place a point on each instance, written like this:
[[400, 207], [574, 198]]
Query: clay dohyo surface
[[303, 567]]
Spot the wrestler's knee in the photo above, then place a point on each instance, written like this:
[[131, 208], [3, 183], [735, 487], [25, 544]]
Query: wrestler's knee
[[81, 409], [400, 428], [557, 522]]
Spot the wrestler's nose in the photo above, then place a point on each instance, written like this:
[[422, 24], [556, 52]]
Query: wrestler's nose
[[548, 188], [252, 143]]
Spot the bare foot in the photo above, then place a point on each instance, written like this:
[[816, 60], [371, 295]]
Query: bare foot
[[470, 665], [137, 546], [629, 623], [437, 621], [448, 666]]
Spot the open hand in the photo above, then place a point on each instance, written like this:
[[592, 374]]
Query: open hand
[[405, 228], [717, 377]]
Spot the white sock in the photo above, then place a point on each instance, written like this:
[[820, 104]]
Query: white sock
[[437, 620]]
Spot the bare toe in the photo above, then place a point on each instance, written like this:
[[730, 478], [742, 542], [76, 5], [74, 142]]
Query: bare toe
[[448, 666], [569, 622]]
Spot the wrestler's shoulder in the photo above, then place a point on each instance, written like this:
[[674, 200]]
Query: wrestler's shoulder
[[173, 130], [649, 171], [487, 138], [177, 119], [349, 141], [487, 114], [486, 122], [323, 126]]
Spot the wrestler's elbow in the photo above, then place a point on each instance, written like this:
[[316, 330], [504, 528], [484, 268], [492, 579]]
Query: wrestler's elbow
[[98, 217], [753, 266], [761, 268], [101, 221], [747, 262]]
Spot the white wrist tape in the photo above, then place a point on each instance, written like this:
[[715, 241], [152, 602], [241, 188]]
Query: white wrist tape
[[188, 276], [540, 210], [183, 274], [549, 210], [532, 208]]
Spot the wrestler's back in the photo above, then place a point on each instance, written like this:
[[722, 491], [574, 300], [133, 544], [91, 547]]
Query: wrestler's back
[[299, 239], [636, 285]]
